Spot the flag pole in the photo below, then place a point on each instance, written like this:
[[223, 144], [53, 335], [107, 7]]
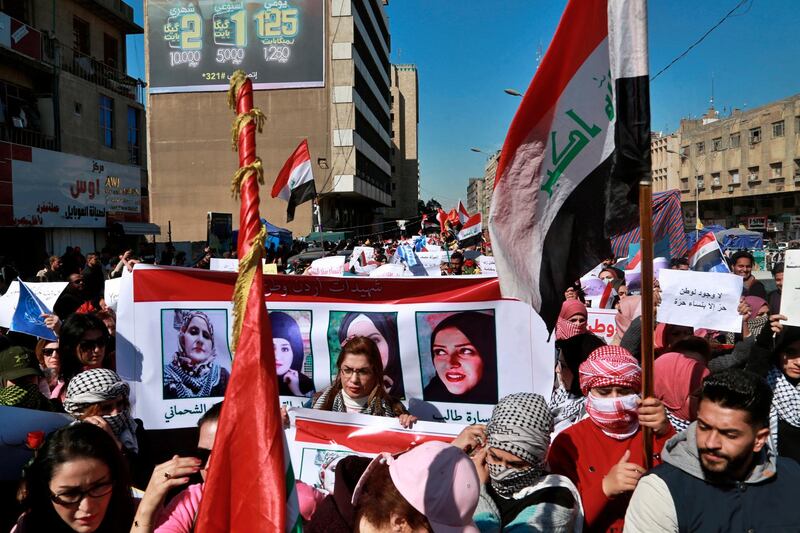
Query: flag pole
[[648, 318]]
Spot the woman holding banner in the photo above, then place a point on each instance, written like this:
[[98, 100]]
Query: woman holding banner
[[381, 328], [358, 387], [289, 355], [465, 359], [193, 371]]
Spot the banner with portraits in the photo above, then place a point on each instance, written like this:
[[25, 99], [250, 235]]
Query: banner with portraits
[[450, 347]]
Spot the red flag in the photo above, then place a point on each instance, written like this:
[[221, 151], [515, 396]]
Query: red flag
[[441, 216], [463, 215], [246, 484]]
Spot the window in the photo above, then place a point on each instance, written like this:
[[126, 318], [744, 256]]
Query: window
[[80, 36], [755, 135], [734, 175], [685, 184], [106, 120], [17, 9], [699, 182], [776, 171], [78, 109], [715, 181], [777, 129], [134, 136], [700, 148], [752, 174], [110, 51], [716, 144], [797, 170], [797, 125], [734, 140], [684, 151]]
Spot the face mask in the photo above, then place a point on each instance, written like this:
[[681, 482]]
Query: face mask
[[616, 417], [508, 481], [124, 427]]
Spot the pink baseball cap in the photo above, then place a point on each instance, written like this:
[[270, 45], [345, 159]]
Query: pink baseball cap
[[438, 480]]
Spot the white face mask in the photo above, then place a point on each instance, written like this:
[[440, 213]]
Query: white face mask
[[617, 417]]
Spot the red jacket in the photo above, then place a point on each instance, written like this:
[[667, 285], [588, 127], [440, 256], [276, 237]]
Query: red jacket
[[585, 454]]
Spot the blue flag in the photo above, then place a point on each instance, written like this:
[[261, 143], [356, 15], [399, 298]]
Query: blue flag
[[28, 315]]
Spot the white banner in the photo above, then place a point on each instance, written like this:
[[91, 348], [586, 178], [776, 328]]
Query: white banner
[[790, 296], [420, 326], [707, 300], [48, 293], [78, 195], [327, 266], [602, 322]]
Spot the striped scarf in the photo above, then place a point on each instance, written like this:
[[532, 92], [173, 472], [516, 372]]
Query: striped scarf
[[376, 406]]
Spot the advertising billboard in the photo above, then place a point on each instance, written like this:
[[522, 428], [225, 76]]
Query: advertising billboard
[[195, 45]]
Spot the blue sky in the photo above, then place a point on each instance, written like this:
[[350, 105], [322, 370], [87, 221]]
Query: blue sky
[[468, 51]]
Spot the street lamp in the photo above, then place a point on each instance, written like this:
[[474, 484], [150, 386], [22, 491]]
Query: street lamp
[[478, 150], [513, 92], [684, 157]]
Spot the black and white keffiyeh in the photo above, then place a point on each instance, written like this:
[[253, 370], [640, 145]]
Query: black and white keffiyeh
[[565, 407], [375, 407], [521, 424], [785, 404], [678, 423]]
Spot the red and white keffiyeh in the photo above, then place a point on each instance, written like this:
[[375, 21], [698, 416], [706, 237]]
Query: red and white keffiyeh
[[608, 366]]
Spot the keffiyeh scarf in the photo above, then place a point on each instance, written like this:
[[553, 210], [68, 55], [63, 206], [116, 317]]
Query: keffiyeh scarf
[[785, 404], [565, 407], [521, 425], [610, 365], [194, 383], [375, 407], [27, 396]]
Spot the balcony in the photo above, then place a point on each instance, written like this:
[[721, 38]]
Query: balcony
[[27, 137], [99, 73]]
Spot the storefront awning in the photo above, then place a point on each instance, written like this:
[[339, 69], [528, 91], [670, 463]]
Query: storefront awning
[[140, 228]]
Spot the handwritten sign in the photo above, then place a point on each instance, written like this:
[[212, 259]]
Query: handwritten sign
[[368, 251], [224, 265], [327, 266], [269, 268], [111, 292], [389, 270], [602, 322], [700, 299], [790, 297], [48, 293], [487, 265]]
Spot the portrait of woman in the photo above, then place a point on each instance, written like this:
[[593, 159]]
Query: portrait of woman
[[463, 354], [289, 355], [381, 328], [193, 371]]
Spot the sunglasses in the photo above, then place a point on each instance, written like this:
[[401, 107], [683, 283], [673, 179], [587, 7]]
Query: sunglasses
[[49, 352], [203, 454], [91, 344]]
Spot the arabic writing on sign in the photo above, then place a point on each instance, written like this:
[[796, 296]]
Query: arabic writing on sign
[[83, 186], [702, 299], [198, 409], [601, 329], [470, 417], [285, 286]]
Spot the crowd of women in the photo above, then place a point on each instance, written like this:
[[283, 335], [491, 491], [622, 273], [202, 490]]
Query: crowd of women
[[570, 462]]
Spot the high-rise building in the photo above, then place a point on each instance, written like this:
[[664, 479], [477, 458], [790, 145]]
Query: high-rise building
[[323, 74], [405, 157], [489, 172], [476, 196], [72, 124], [741, 169]]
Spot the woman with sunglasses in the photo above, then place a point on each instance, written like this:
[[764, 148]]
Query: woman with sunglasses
[[78, 481], [82, 345], [50, 363], [358, 386], [99, 396]]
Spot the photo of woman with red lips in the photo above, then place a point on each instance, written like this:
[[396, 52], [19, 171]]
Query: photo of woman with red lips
[[464, 356]]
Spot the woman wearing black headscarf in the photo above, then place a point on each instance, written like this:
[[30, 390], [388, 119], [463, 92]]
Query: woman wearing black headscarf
[[289, 353], [381, 328], [465, 358]]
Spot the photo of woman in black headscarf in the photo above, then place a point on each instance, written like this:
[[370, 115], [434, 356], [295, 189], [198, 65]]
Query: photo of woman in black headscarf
[[464, 355], [381, 328], [289, 356]]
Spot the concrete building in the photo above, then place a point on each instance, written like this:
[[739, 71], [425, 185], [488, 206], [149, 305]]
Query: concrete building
[[743, 169], [488, 184], [405, 137], [476, 196], [347, 121], [72, 124]]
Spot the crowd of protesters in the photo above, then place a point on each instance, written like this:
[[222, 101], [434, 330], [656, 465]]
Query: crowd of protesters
[[724, 419]]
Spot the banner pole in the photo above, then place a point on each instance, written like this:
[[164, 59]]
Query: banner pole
[[648, 311]]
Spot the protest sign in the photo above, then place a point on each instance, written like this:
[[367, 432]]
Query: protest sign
[[389, 270], [707, 300], [48, 293], [432, 261], [327, 266], [487, 266], [367, 251], [317, 314], [111, 292], [15, 423], [602, 322], [224, 265], [790, 296], [317, 439]]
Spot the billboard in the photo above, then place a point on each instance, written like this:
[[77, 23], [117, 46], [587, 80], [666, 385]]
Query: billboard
[[58, 190], [195, 45]]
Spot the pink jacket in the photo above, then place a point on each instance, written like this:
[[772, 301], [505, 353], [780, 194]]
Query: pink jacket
[[179, 516]]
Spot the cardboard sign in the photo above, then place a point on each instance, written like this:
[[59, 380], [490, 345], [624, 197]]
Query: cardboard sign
[[48, 293], [707, 300], [790, 297], [224, 265]]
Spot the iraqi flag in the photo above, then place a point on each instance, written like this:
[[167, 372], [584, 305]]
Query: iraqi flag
[[463, 216], [705, 255], [295, 181], [473, 226], [575, 152], [441, 216]]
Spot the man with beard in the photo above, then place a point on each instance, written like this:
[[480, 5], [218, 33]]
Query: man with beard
[[720, 474]]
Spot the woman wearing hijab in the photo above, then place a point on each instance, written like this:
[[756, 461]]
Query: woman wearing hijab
[[677, 378], [571, 320], [517, 493], [193, 371], [629, 309], [666, 336], [100, 397], [289, 355], [567, 404], [464, 356], [602, 454], [381, 328]]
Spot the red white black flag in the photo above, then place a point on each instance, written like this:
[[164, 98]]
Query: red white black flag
[[575, 151], [295, 181]]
